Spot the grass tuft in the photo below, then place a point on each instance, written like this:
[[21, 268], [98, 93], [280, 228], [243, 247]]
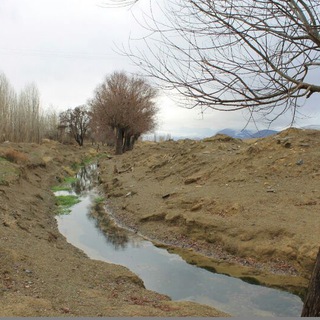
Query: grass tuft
[[70, 180], [65, 202], [61, 188], [99, 200]]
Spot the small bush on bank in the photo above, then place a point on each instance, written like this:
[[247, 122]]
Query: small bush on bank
[[15, 156]]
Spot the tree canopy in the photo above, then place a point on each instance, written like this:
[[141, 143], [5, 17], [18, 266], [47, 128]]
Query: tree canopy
[[126, 104], [77, 122]]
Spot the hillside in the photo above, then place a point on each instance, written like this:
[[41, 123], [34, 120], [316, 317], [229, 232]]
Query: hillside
[[246, 208], [43, 275]]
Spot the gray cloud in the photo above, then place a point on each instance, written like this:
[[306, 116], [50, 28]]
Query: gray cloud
[[67, 48]]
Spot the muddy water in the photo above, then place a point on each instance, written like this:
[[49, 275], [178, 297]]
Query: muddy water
[[164, 272]]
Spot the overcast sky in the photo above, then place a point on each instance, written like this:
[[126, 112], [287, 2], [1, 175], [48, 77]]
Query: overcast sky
[[67, 47]]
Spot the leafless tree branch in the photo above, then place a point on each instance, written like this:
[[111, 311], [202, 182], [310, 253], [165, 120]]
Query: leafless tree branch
[[260, 55]]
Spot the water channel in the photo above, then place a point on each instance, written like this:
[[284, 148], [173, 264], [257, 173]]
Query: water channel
[[161, 271]]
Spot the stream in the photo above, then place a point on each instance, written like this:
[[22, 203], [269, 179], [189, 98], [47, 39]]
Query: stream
[[161, 271]]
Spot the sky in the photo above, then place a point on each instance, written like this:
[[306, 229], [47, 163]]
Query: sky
[[67, 48]]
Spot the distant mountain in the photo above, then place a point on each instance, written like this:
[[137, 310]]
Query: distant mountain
[[264, 133], [243, 134], [312, 127], [247, 134]]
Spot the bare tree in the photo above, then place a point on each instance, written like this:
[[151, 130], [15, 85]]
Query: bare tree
[[126, 104], [99, 133], [28, 115], [21, 117], [7, 102], [49, 125], [262, 55], [77, 122]]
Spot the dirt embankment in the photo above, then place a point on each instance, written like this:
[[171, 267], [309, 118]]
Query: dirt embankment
[[245, 208], [40, 273]]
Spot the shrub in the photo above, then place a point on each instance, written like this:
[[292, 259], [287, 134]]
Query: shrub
[[15, 156]]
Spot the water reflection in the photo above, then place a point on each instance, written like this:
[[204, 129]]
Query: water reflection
[[114, 235], [92, 230], [86, 179]]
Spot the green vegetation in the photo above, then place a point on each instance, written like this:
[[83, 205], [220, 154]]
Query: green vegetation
[[66, 184], [65, 202], [69, 180], [8, 172], [61, 188], [3, 182], [86, 161], [99, 200], [75, 166]]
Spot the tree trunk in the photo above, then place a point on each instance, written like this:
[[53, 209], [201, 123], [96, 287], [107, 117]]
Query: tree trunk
[[126, 145], [311, 306], [79, 139], [119, 140], [134, 140]]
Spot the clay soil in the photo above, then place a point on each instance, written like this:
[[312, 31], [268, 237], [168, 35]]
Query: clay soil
[[43, 275], [249, 209]]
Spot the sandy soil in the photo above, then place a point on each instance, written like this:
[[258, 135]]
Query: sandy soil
[[245, 208], [40, 273]]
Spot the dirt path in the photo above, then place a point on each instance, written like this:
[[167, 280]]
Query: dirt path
[[245, 208], [40, 273]]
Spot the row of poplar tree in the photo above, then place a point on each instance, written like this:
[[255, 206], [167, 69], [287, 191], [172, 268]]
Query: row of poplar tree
[[122, 108], [21, 117]]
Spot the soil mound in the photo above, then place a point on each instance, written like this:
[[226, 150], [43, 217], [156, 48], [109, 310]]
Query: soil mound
[[250, 203]]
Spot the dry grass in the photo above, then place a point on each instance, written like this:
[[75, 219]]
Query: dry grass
[[15, 156]]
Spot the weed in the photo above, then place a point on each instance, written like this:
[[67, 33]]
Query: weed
[[99, 200], [75, 166], [65, 202], [3, 182], [66, 183], [8, 172], [70, 180], [98, 204], [86, 161], [61, 188]]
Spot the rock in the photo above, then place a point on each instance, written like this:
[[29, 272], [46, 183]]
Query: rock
[[153, 217], [192, 180], [299, 162], [196, 207]]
